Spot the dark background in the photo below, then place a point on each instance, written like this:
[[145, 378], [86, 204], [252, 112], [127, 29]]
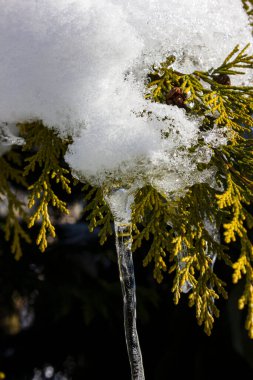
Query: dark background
[[61, 317]]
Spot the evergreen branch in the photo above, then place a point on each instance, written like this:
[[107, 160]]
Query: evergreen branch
[[13, 228], [48, 150], [99, 214], [151, 211], [223, 105]]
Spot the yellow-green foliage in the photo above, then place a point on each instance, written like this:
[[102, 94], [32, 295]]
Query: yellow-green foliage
[[180, 226], [47, 152], [180, 241], [171, 226], [248, 6], [229, 105], [10, 172], [99, 214], [152, 211], [223, 105]]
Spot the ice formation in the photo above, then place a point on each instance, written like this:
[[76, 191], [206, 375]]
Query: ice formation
[[120, 201], [80, 66]]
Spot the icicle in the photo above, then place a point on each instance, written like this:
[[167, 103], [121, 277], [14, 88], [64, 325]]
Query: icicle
[[120, 201]]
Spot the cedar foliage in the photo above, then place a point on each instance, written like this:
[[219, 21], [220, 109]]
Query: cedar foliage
[[180, 241]]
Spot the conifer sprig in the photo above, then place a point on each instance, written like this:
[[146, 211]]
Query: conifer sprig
[[48, 151], [205, 92], [181, 242], [248, 7], [210, 94], [98, 212], [11, 173]]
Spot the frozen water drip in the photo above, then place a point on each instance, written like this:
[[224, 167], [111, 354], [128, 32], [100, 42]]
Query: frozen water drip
[[120, 203]]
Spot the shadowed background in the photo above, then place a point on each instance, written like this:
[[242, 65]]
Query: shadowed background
[[61, 317]]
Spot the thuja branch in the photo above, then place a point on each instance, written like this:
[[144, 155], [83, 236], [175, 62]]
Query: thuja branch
[[211, 97], [98, 212], [12, 173], [48, 151], [180, 240]]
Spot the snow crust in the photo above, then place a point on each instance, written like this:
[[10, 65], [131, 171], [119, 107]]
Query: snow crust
[[80, 66]]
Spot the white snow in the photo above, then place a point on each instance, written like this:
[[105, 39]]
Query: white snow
[[80, 65], [8, 137]]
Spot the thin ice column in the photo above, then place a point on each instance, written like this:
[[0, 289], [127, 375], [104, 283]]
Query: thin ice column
[[120, 204]]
